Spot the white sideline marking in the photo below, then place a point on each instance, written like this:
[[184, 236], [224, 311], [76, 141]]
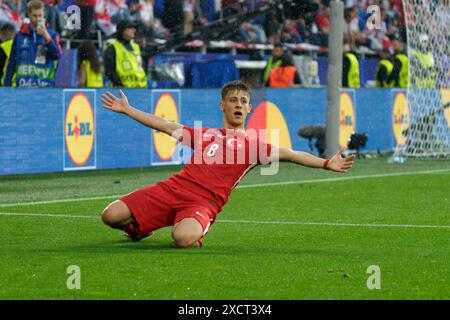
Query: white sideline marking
[[338, 224], [44, 215], [5, 205], [270, 184], [256, 185], [333, 224]]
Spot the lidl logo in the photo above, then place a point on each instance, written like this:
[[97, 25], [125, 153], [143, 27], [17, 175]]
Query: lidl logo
[[79, 131], [167, 108], [268, 116], [346, 119], [400, 118], [445, 97]]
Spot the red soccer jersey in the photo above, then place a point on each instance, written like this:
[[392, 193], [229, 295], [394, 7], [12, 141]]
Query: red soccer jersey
[[221, 158]]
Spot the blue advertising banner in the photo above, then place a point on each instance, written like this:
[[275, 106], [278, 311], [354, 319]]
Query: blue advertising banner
[[54, 130]]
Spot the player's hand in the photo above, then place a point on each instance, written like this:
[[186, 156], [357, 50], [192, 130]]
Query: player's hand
[[111, 102], [339, 164]]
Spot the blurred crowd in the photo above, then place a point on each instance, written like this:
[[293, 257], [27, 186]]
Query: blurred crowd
[[308, 21], [154, 18], [129, 26], [299, 21]]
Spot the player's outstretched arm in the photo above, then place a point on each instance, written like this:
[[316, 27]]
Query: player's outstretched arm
[[111, 102], [336, 163]]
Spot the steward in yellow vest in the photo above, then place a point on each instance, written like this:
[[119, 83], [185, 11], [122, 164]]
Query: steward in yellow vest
[[384, 70], [399, 74], [123, 60], [350, 69], [89, 69], [7, 33], [423, 64]]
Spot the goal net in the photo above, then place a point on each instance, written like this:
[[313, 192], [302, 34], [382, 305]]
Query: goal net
[[427, 133]]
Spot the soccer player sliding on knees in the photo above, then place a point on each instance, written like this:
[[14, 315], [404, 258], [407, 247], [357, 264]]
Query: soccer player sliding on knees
[[190, 200]]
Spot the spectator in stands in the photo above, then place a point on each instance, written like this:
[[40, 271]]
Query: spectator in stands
[[123, 60], [273, 61], [89, 69], [192, 12], [51, 14], [285, 75], [7, 32], [252, 33], [377, 37], [103, 13], [10, 13], [351, 27], [151, 25], [173, 15], [87, 12], [119, 11], [135, 13], [394, 27], [323, 24], [399, 75], [273, 28], [350, 67], [230, 7], [35, 51], [302, 29], [290, 32], [384, 70]]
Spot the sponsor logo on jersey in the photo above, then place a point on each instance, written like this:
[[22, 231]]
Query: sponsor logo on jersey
[[346, 119], [79, 129], [400, 118], [166, 108]]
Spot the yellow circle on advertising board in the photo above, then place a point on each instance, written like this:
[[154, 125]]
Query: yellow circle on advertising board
[[276, 121], [346, 119], [400, 118], [79, 129], [166, 108], [445, 97]]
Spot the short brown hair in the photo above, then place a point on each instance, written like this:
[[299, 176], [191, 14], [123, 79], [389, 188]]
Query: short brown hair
[[34, 5], [234, 85]]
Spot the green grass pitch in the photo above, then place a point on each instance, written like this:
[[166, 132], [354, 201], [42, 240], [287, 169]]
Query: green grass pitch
[[301, 234]]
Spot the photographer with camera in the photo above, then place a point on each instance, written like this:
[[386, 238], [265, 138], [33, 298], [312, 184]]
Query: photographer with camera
[[35, 51]]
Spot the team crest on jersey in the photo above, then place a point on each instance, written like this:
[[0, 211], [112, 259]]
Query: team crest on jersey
[[234, 143]]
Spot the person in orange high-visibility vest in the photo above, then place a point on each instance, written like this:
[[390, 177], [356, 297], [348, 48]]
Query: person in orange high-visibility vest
[[284, 76]]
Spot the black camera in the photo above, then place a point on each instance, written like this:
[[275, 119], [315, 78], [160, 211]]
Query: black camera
[[357, 141]]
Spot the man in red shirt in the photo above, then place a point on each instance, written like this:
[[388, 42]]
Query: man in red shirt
[[323, 20], [191, 199]]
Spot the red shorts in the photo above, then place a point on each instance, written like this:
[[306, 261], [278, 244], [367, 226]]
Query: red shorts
[[163, 204]]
